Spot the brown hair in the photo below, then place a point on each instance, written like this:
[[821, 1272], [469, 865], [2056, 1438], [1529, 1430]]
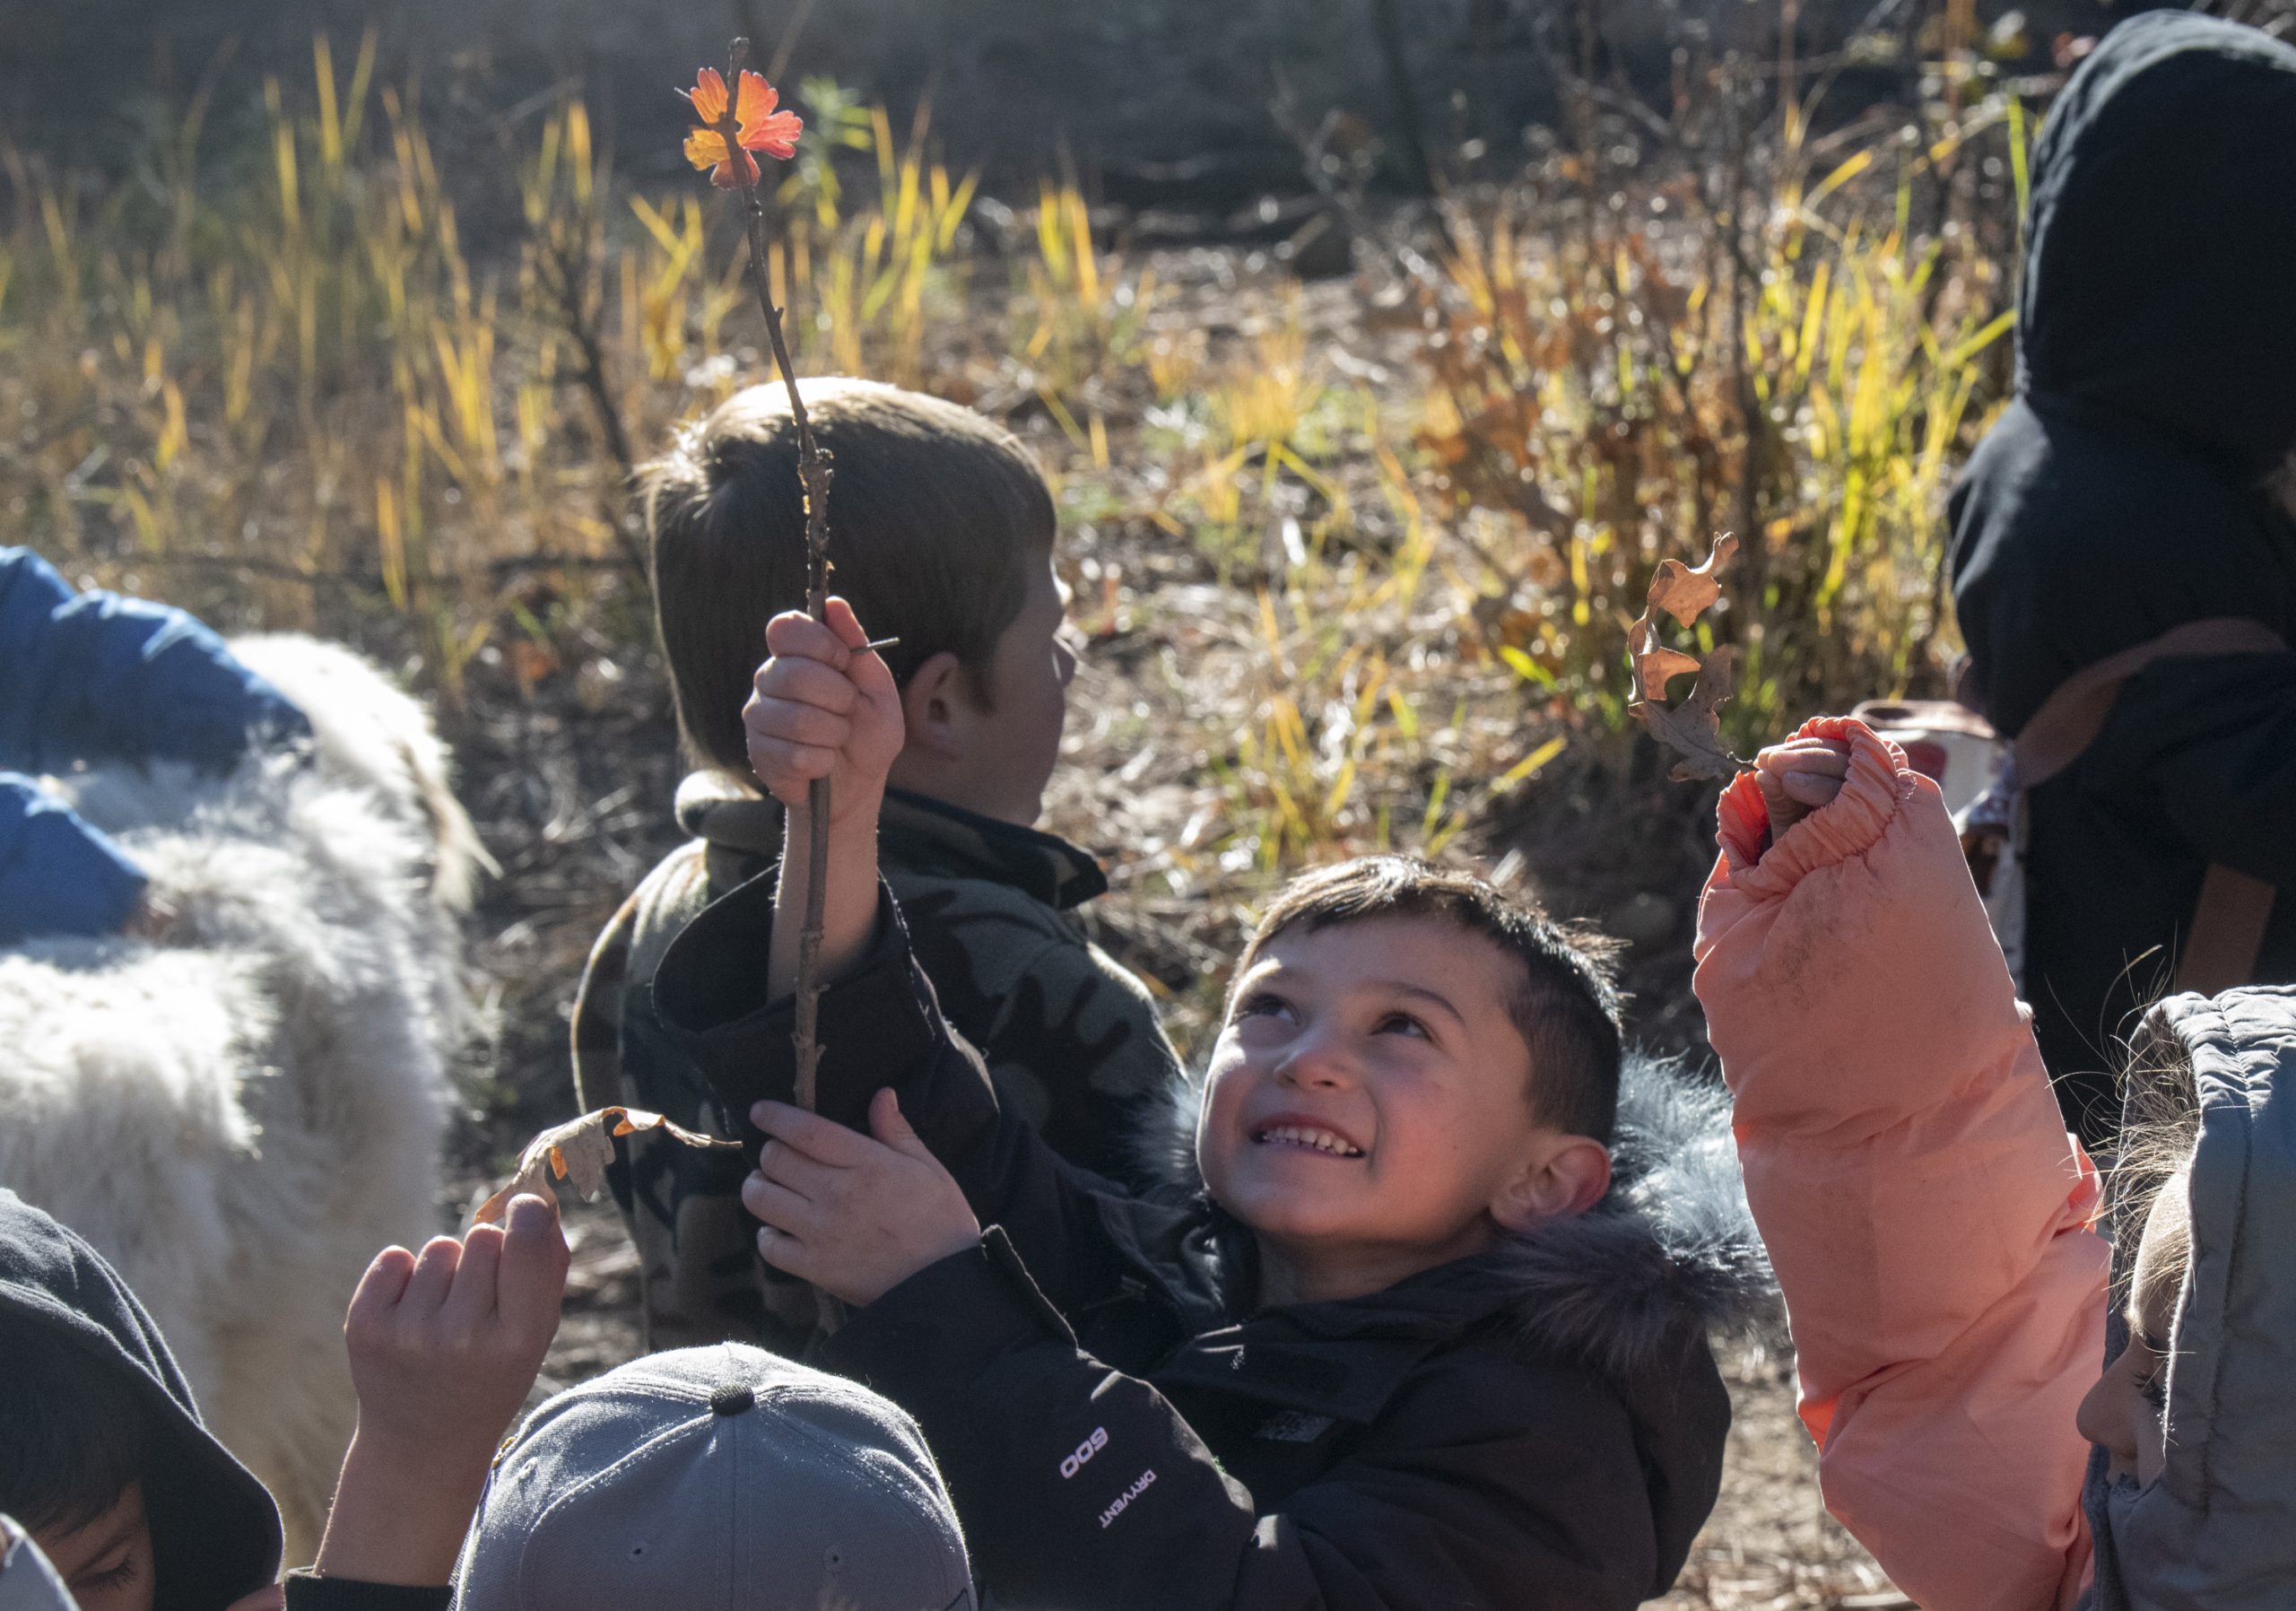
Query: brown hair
[[1566, 1010], [934, 519]]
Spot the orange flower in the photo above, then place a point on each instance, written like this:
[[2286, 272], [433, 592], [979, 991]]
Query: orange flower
[[759, 127]]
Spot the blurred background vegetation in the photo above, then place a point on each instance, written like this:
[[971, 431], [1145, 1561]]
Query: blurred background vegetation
[[1368, 423]]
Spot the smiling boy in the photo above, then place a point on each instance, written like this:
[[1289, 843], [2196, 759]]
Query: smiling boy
[[1408, 1344]]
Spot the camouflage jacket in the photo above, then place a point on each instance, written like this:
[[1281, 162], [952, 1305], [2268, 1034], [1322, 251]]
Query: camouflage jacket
[[1070, 1037]]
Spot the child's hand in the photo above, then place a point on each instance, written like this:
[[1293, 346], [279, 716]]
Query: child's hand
[[854, 1216], [823, 710], [445, 1346], [1798, 776]]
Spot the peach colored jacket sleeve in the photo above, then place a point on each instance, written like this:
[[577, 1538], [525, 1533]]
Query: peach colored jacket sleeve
[[1928, 1215]]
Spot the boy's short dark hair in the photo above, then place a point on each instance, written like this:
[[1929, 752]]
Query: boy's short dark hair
[[1567, 1008], [76, 1435], [936, 517]]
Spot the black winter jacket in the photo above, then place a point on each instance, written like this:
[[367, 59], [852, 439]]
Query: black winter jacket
[[215, 1531], [1539, 1426], [2123, 493]]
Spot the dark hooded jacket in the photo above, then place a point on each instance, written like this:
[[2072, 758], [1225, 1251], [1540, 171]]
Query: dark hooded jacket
[[1070, 1037], [214, 1531], [2123, 494], [2216, 1531], [1542, 1425]]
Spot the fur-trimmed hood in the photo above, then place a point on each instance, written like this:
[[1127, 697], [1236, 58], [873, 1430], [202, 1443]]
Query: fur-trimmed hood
[[1671, 1248]]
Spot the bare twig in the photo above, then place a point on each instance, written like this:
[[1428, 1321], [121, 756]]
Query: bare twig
[[814, 473]]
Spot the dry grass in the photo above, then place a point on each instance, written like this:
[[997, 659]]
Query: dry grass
[[1352, 562]]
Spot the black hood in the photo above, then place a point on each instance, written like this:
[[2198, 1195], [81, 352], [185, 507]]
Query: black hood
[[215, 1531], [2122, 493], [2160, 279]]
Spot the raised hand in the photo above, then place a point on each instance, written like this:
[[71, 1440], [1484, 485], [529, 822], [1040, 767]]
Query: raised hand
[[445, 1345], [1798, 776], [854, 1215], [823, 706]]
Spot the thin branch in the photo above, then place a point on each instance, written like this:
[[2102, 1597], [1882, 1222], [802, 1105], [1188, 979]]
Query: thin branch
[[814, 473]]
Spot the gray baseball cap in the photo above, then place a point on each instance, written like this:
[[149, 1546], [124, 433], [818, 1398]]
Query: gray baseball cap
[[715, 1479]]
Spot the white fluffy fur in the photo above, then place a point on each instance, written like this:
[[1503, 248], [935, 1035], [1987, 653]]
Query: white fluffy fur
[[239, 1117]]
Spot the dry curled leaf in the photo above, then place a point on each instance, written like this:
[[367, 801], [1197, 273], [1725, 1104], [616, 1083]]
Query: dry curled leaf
[[1692, 729], [577, 1152], [1685, 592], [1655, 665]]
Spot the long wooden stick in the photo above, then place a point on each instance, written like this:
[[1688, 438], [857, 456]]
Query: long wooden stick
[[814, 473]]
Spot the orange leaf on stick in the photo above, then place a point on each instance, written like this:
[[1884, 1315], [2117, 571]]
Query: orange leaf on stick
[[759, 126]]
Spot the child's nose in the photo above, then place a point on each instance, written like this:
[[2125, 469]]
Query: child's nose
[[2104, 1419], [1314, 1063]]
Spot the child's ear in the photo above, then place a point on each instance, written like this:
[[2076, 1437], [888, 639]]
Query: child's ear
[[1565, 1175], [933, 705]]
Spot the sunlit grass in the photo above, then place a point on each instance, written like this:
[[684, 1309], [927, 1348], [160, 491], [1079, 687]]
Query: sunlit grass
[[280, 385]]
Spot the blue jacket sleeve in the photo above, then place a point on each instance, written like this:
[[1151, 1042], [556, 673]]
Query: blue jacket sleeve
[[57, 874], [92, 675]]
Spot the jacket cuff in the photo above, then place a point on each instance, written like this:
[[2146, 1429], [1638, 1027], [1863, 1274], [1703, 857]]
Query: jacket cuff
[[1879, 780], [879, 1022], [308, 1591], [939, 1328]]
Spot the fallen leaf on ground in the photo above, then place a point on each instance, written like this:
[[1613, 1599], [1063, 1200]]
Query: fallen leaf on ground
[[577, 1152]]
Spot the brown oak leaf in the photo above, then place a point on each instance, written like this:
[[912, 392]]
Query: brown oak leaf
[[577, 1152], [1685, 592], [1655, 665], [1693, 728]]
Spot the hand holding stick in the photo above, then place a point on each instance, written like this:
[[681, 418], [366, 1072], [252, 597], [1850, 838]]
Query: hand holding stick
[[739, 129]]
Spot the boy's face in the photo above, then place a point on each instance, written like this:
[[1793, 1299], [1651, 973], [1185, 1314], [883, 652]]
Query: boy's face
[[995, 759], [1369, 1112], [105, 1563]]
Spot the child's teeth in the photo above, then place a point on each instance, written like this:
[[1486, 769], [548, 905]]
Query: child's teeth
[[1323, 1141]]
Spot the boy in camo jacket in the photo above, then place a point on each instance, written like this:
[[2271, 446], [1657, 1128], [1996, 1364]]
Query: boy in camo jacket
[[942, 535]]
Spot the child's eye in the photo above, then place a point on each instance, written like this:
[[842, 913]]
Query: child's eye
[[1401, 1024], [1260, 1003], [111, 1577]]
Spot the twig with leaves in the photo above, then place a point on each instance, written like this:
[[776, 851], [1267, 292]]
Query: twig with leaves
[[1692, 729], [733, 124]]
